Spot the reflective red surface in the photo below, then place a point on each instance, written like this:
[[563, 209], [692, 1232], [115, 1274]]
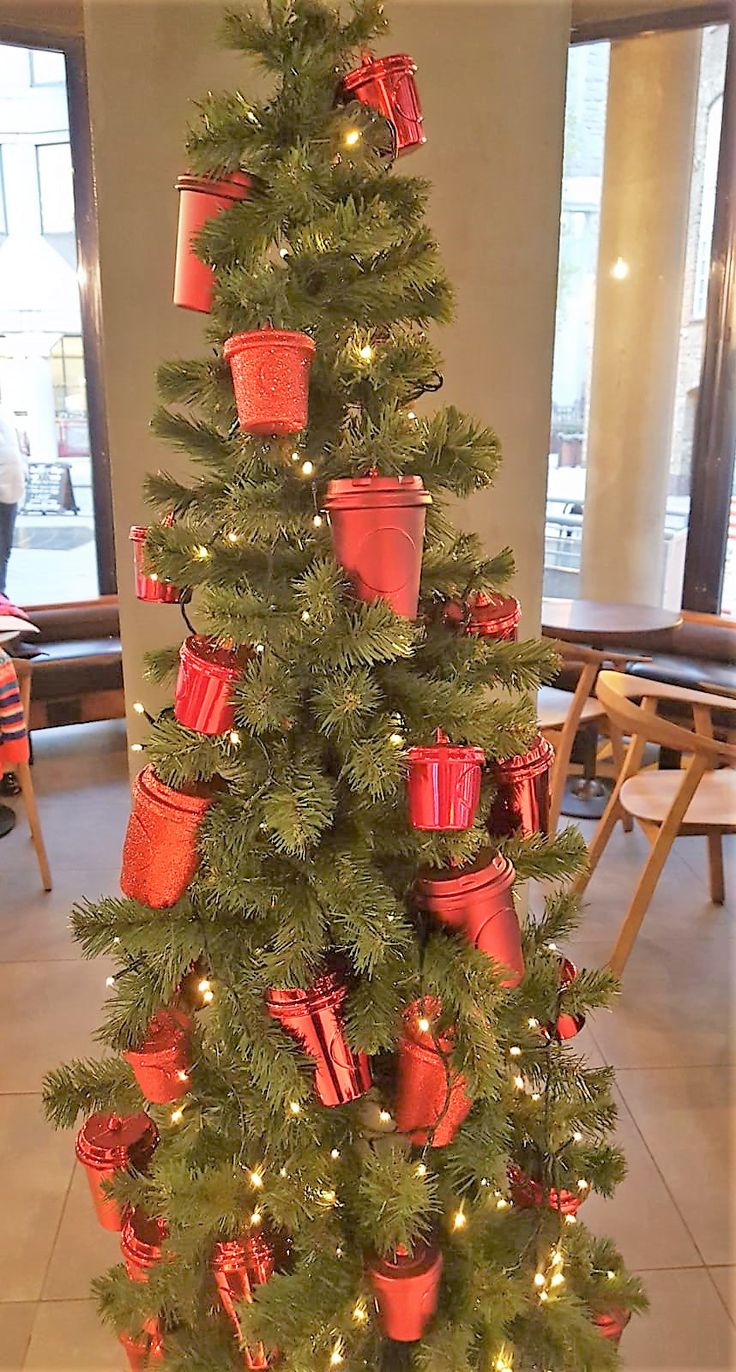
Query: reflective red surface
[[443, 786], [203, 698], [377, 524], [612, 1323], [527, 1193], [140, 1243], [162, 1063], [521, 803], [387, 84], [106, 1144], [147, 585], [160, 852], [200, 199], [431, 1100], [314, 1018], [478, 901], [406, 1288]]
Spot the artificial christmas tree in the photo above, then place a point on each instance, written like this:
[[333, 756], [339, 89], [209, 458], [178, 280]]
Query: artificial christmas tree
[[373, 1102]]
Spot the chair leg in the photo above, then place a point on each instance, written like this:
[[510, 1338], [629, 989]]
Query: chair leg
[[612, 813], [619, 754], [23, 773], [715, 867], [563, 748]]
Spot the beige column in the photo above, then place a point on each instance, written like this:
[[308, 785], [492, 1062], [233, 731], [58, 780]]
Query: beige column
[[644, 214]]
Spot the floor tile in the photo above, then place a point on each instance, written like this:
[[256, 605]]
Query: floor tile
[[68, 1337], [83, 1249], [36, 1168], [16, 1322], [724, 1279], [34, 924], [686, 1329], [48, 1011]]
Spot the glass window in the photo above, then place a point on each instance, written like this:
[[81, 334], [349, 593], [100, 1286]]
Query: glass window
[[707, 207], [55, 187], [47, 68], [3, 211]]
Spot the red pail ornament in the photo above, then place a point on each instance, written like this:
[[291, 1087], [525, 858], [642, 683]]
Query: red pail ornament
[[314, 1018], [270, 371], [231, 1279], [160, 853], [147, 584], [494, 616], [162, 1063], [431, 1100], [477, 901], [140, 1243], [527, 1193], [612, 1323], [260, 1256], [406, 1288], [521, 803], [443, 786], [377, 524], [204, 686], [387, 85], [200, 199], [566, 1026], [107, 1144], [142, 1353]]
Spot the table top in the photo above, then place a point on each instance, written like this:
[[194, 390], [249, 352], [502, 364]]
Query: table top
[[601, 622]]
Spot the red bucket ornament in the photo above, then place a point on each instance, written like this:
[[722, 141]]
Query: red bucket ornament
[[145, 1351], [230, 1271], [527, 1194], [494, 616], [477, 901], [612, 1323], [160, 853], [443, 787], [162, 1063], [431, 1100], [204, 686], [521, 804], [406, 1288], [140, 1243], [107, 1144], [387, 85], [377, 525], [314, 1018], [200, 199], [148, 586], [270, 371]]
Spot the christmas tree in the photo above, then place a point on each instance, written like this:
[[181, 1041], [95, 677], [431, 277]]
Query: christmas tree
[[341, 1120]]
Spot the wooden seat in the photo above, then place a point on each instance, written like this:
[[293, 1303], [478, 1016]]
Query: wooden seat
[[23, 772], [553, 708], [651, 796]]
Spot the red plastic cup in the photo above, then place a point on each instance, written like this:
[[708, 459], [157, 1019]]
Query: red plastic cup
[[431, 1100], [204, 687], [107, 1144], [494, 616], [314, 1018], [477, 901], [147, 584], [566, 1026], [406, 1288], [527, 1193], [612, 1323], [161, 853], [140, 1243], [162, 1063], [443, 786], [200, 199], [270, 371], [521, 803], [142, 1353], [377, 527], [387, 84]]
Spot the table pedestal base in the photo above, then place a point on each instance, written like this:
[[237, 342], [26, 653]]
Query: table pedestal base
[[7, 820], [585, 798]]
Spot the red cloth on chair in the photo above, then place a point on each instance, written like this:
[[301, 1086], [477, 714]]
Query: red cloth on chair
[[13, 735]]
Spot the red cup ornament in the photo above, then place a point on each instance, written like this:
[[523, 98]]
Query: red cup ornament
[[314, 1018], [200, 199], [431, 1100], [230, 1271], [148, 586], [494, 616], [477, 901], [270, 371], [160, 853], [377, 524], [162, 1063], [406, 1288], [140, 1243], [443, 786], [527, 1193], [612, 1323], [521, 803], [145, 1351], [107, 1144], [566, 1026], [387, 85], [204, 686]]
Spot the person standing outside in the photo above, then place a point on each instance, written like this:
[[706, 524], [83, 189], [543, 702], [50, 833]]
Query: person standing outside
[[12, 489]]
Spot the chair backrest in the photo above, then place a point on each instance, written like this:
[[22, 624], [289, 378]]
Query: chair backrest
[[631, 702]]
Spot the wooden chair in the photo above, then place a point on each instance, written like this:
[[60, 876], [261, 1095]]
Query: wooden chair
[[698, 799], [22, 771]]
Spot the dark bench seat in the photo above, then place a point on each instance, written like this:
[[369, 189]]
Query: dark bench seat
[[77, 663]]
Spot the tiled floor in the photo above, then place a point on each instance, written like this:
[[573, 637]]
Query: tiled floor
[[670, 1037]]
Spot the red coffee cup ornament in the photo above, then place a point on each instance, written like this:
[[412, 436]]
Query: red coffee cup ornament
[[377, 524], [160, 852], [107, 1144], [203, 698], [314, 1018], [200, 199], [566, 1026], [527, 1193], [260, 1255], [406, 1287], [145, 1351], [140, 1243], [148, 585], [230, 1272], [521, 803], [477, 901], [443, 786], [162, 1063], [270, 371], [431, 1100], [612, 1323], [494, 616], [387, 85]]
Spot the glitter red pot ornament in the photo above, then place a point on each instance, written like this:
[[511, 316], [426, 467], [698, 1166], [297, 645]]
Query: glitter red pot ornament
[[431, 1100], [140, 1243], [314, 1018], [229, 1269], [201, 199], [527, 1194], [566, 1026], [612, 1323], [148, 586], [387, 85], [521, 803], [443, 785], [145, 1351], [377, 525], [270, 371], [162, 1063], [494, 616], [160, 852], [203, 698], [107, 1144], [477, 901], [406, 1288]]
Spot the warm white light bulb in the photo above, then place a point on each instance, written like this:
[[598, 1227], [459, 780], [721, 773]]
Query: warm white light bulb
[[233, 537], [201, 552], [307, 468], [421, 1169], [384, 1116], [515, 1051], [459, 1219], [305, 616], [283, 252], [397, 740], [256, 1180], [109, 981], [234, 737], [336, 1355], [556, 1279], [533, 1023], [366, 352], [570, 1219], [410, 414], [182, 1076], [583, 1185], [502, 1203], [295, 1107], [329, 1197], [203, 986], [519, 1083], [139, 707], [540, 1279], [317, 521], [256, 1217], [424, 1024], [611, 1276], [334, 1154], [360, 1314], [208, 997], [352, 138], [136, 747], [577, 1136], [177, 1116]]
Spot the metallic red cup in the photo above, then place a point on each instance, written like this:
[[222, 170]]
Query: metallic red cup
[[494, 616], [612, 1323], [443, 785], [204, 686], [142, 1353], [160, 852], [527, 1194], [162, 1063], [566, 1026], [377, 525], [387, 85], [140, 1243], [314, 1018], [406, 1288], [147, 584], [200, 199], [431, 1100], [229, 1268], [521, 803], [477, 901], [107, 1144], [270, 371]]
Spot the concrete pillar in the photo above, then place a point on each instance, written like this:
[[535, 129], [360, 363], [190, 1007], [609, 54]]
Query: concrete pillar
[[650, 125]]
